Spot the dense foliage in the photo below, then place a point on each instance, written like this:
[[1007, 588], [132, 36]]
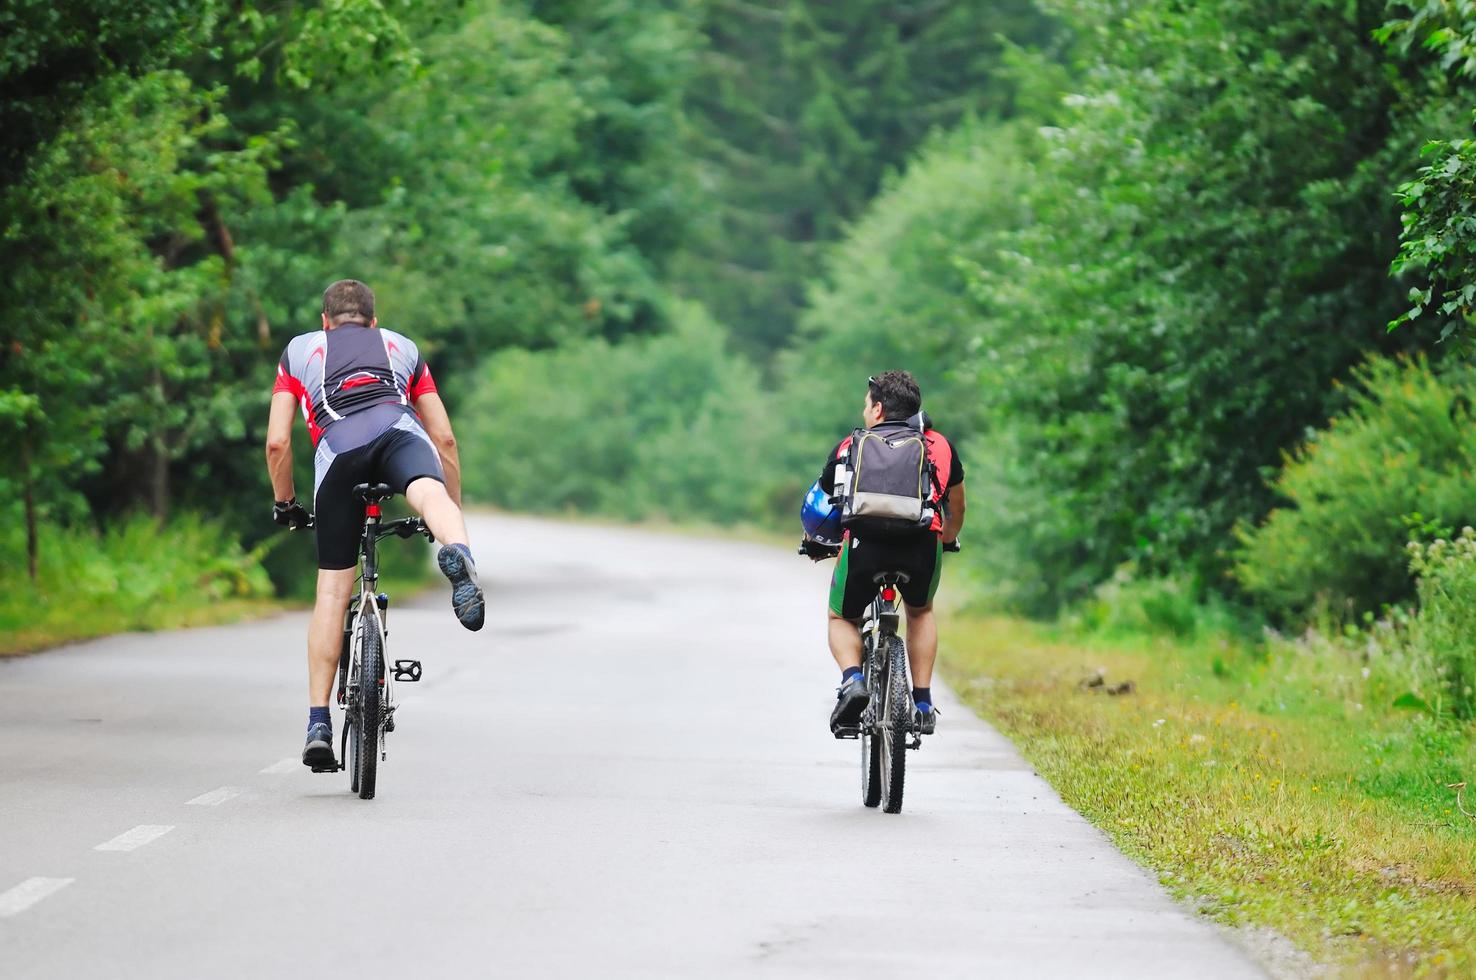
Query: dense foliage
[[798, 112], [181, 204], [662, 426], [651, 250], [1399, 461]]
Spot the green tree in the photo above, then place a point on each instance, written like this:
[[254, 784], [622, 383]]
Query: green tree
[[1437, 245], [1213, 229], [798, 111]]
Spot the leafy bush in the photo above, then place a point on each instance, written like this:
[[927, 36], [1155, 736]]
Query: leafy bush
[[131, 576], [672, 425], [1405, 449], [1442, 635], [1128, 606]]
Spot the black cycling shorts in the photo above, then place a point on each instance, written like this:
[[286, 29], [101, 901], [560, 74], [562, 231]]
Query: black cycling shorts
[[397, 457], [916, 554]]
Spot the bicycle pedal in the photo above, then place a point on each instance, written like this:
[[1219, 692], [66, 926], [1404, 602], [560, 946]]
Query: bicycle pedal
[[407, 671], [846, 731]]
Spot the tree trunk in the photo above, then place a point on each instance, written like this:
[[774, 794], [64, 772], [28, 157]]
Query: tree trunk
[[160, 478], [159, 464], [32, 544]]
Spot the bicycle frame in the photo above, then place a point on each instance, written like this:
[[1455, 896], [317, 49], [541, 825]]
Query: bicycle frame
[[882, 618], [369, 608]]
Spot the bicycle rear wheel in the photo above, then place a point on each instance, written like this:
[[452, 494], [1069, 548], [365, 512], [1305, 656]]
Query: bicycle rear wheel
[[371, 693], [893, 721], [871, 748]]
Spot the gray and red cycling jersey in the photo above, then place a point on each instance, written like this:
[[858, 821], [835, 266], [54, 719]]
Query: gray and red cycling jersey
[[353, 382], [946, 464]]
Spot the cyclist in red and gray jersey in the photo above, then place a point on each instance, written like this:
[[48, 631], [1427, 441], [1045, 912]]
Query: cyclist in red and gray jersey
[[374, 416]]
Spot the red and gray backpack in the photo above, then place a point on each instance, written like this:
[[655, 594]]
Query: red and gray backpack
[[885, 484]]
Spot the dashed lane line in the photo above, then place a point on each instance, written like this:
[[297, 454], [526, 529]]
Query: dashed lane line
[[28, 893], [215, 797], [131, 840], [289, 764]]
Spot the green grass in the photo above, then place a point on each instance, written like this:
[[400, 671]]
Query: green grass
[[1267, 783], [137, 576]]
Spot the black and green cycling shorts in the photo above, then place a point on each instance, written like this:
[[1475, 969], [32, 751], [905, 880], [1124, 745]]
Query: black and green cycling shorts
[[917, 554]]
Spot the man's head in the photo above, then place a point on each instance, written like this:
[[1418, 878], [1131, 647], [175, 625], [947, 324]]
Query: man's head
[[348, 301], [891, 396]]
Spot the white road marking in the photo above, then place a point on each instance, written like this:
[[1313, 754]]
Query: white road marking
[[215, 797], [137, 837], [28, 893], [289, 764]]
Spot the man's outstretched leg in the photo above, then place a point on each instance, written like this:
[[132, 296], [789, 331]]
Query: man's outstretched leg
[[845, 647], [325, 640], [429, 498]]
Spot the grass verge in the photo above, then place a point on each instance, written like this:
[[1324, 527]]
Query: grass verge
[[1267, 785], [138, 575]]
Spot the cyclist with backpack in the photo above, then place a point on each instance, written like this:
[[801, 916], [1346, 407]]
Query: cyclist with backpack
[[891, 498]]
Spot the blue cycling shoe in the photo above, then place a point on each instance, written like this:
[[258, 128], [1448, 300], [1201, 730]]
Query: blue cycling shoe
[[926, 719], [317, 754], [466, 594]]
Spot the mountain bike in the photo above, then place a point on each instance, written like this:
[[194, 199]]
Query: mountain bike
[[366, 693], [888, 727]]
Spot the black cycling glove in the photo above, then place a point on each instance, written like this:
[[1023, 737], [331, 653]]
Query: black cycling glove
[[815, 551], [291, 514]]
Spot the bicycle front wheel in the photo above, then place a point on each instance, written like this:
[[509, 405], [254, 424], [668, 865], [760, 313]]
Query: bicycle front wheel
[[371, 699], [894, 719]]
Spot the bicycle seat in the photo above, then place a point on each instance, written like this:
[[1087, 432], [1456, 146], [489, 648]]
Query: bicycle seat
[[891, 578], [373, 492]]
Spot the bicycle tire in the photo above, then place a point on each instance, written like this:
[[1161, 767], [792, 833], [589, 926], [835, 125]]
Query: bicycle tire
[[371, 688], [894, 722], [352, 762], [871, 780]]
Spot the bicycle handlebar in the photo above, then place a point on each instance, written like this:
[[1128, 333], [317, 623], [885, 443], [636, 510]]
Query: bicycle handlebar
[[815, 551], [406, 527]]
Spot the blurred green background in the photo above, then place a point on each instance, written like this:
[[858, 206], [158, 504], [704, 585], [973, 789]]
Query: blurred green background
[[1142, 257]]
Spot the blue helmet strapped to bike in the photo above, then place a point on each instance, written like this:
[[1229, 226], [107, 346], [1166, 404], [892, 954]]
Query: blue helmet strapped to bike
[[821, 518]]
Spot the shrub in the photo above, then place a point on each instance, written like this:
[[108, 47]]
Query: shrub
[[123, 578], [1402, 453], [671, 425], [1126, 605], [1442, 635]]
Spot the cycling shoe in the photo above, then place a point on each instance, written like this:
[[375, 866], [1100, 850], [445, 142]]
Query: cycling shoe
[[851, 699], [926, 721], [317, 754], [466, 594]]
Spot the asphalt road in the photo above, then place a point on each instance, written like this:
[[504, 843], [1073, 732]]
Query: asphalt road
[[626, 774]]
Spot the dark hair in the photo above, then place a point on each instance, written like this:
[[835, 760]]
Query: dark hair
[[897, 393], [346, 298]]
